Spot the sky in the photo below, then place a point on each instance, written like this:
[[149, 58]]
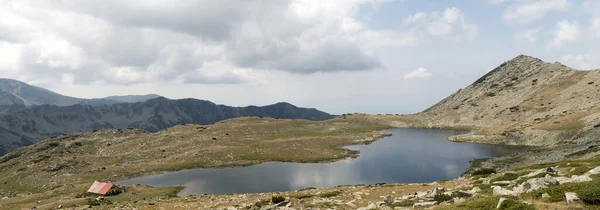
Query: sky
[[339, 56]]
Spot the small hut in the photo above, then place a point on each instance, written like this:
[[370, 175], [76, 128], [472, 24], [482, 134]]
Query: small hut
[[100, 188]]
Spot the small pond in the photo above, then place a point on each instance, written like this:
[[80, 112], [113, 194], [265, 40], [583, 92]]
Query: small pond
[[408, 156]]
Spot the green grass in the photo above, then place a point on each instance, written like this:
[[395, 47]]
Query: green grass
[[507, 177], [302, 196], [485, 189], [330, 194], [557, 193], [443, 180], [484, 171], [488, 203], [440, 197], [580, 170], [277, 199]]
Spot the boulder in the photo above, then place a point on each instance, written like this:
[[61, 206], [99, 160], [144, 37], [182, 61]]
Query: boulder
[[497, 190], [550, 180], [351, 204], [594, 171], [389, 199], [530, 185], [474, 190], [420, 194], [432, 193], [545, 196], [458, 200], [501, 182], [571, 198], [532, 174], [424, 204], [500, 202], [574, 178], [284, 203]]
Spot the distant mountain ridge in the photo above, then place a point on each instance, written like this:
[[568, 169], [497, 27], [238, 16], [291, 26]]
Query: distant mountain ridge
[[21, 125], [14, 92]]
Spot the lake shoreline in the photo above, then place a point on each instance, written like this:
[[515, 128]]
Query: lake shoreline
[[362, 143]]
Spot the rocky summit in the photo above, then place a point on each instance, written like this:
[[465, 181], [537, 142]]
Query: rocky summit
[[523, 101]]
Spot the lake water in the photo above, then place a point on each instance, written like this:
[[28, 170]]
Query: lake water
[[408, 156]]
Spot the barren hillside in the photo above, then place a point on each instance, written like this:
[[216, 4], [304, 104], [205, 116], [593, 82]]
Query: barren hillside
[[525, 100]]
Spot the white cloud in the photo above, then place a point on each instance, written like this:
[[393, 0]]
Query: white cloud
[[450, 22], [595, 26], [67, 79], [118, 41], [126, 42], [419, 73], [528, 11], [565, 33], [528, 35], [581, 61], [499, 1], [592, 7], [417, 17]]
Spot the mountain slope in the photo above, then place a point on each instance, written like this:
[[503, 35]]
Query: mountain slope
[[23, 124], [524, 99], [131, 98], [15, 92]]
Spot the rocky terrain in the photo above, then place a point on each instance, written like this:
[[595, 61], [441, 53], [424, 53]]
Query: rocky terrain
[[524, 101]]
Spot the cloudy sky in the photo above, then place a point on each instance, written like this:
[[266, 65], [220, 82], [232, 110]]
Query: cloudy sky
[[340, 56]]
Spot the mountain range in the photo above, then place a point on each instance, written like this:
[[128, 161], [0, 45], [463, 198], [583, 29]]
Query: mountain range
[[14, 92], [29, 114]]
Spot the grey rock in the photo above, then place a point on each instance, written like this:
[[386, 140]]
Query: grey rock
[[458, 200], [502, 182], [497, 190], [571, 198], [550, 181], [474, 190], [500, 202], [594, 171], [424, 204], [545, 196], [389, 199]]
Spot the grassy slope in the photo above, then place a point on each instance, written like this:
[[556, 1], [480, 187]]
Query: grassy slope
[[63, 167]]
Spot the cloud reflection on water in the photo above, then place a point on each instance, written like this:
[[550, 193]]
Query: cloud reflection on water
[[410, 155]]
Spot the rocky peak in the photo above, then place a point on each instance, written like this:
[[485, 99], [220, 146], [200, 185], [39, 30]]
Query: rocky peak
[[523, 88]]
